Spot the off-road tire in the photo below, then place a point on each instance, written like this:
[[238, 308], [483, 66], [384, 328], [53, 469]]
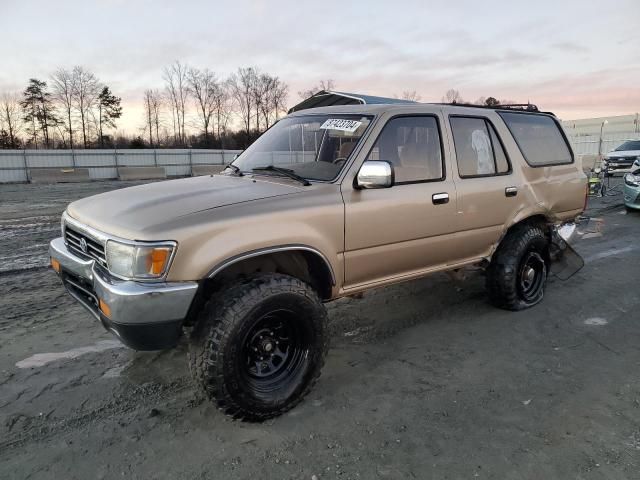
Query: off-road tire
[[219, 340], [524, 243]]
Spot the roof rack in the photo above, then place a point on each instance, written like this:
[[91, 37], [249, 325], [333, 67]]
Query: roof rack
[[522, 107]]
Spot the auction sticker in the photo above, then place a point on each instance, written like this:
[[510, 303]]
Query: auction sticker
[[341, 124]]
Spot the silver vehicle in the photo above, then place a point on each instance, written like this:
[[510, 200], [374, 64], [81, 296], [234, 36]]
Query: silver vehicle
[[621, 159]]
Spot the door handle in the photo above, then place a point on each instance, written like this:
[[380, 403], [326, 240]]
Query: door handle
[[440, 198], [511, 191]]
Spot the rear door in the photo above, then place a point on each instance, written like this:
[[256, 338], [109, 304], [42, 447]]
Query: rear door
[[488, 190]]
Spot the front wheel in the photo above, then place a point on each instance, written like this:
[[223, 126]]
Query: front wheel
[[259, 346], [517, 275]]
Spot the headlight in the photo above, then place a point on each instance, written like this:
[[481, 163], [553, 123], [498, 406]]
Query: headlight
[[139, 261], [632, 180]]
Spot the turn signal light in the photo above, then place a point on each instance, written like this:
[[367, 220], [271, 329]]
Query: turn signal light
[[104, 308], [158, 260], [55, 264]]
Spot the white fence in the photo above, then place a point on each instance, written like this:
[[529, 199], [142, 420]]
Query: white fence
[[103, 164], [590, 144]]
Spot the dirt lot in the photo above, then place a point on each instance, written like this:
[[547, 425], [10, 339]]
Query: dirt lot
[[424, 380]]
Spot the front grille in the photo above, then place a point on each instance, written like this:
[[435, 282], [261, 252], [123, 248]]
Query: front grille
[[94, 250], [622, 160], [82, 291]]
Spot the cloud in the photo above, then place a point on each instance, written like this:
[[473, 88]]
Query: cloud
[[570, 47]]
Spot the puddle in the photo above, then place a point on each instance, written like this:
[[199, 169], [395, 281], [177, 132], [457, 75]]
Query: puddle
[[597, 321], [41, 359]]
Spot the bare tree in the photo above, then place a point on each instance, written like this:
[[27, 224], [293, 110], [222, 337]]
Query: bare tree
[[86, 89], [223, 109], [11, 118], [204, 87], [152, 112], [411, 95], [241, 85], [156, 102], [148, 113], [328, 84], [176, 85], [274, 95], [62, 84], [452, 96]]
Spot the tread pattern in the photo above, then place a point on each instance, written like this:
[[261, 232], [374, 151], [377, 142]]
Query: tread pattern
[[501, 279], [221, 314]]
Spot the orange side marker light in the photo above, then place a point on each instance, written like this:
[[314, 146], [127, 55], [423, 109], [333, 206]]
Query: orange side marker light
[[55, 264], [104, 308]]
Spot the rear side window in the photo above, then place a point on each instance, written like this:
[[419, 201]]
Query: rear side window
[[539, 138], [479, 151]]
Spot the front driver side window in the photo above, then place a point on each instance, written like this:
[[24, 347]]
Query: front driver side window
[[412, 146]]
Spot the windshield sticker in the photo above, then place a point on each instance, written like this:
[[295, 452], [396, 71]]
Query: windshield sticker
[[341, 124]]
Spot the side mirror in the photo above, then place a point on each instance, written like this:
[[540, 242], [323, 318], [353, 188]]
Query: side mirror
[[375, 174]]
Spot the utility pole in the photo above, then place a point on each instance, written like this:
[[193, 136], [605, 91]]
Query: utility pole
[[600, 143]]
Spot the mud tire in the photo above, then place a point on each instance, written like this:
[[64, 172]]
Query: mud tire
[[525, 247], [221, 348]]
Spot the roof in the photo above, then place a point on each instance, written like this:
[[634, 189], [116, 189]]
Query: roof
[[326, 98], [411, 108]]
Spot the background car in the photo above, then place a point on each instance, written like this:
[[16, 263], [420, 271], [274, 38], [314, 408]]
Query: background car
[[631, 190], [621, 159]]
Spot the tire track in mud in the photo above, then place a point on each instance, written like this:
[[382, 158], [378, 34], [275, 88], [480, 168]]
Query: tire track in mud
[[37, 429], [24, 242]]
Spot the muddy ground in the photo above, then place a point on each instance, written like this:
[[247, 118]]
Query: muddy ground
[[424, 380]]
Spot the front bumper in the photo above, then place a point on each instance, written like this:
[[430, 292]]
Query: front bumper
[[619, 169], [144, 316]]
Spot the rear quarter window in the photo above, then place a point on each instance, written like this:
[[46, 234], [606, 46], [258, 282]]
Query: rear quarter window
[[539, 139]]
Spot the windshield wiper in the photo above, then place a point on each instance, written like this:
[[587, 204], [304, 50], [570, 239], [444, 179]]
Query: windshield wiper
[[283, 171], [236, 169]]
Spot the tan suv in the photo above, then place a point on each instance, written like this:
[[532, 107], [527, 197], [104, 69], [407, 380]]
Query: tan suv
[[329, 202]]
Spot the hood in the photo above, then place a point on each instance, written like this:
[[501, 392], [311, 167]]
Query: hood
[[131, 211], [626, 154]]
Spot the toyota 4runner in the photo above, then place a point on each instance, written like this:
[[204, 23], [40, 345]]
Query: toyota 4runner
[[329, 202]]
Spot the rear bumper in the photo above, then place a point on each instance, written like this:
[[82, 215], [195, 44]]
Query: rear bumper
[[144, 316]]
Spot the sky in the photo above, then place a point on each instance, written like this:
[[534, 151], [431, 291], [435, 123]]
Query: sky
[[577, 58]]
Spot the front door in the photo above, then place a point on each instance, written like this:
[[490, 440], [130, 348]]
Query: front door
[[404, 229]]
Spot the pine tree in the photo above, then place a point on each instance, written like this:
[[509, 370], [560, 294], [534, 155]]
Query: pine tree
[[109, 110], [39, 112]]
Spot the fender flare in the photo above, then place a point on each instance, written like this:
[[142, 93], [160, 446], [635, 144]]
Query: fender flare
[[268, 250]]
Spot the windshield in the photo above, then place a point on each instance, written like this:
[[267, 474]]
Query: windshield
[[315, 147], [629, 145]]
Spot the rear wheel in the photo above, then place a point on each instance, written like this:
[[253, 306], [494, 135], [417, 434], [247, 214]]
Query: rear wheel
[[517, 275], [259, 346]]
